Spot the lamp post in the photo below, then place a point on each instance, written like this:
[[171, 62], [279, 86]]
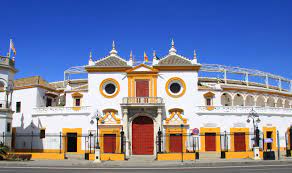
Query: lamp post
[[97, 148], [255, 120], [97, 141]]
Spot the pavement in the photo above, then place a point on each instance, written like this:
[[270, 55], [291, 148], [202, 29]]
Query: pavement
[[272, 168], [142, 164]]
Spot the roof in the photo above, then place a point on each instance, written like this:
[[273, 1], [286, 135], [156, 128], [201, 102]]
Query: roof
[[111, 61], [174, 60], [32, 81]]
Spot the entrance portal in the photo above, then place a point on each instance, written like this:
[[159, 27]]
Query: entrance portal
[[142, 136], [71, 142]]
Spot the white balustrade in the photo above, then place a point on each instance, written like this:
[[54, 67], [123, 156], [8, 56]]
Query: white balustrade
[[142, 100], [61, 110], [242, 110]]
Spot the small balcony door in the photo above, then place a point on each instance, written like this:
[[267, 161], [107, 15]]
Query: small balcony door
[[142, 88]]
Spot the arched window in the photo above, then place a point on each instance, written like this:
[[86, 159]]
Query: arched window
[[226, 99], [279, 103], [238, 100], [249, 101], [286, 105], [260, 101], [271, 102]]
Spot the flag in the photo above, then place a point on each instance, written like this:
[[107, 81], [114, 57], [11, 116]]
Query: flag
[[12, 47], [145, 57]]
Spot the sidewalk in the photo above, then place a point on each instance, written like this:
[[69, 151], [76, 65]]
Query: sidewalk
[[139, 164]]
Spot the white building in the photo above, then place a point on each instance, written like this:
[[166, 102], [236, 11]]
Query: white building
[[168, 95]]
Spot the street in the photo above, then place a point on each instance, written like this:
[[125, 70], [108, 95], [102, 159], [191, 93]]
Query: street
[[221, 169]]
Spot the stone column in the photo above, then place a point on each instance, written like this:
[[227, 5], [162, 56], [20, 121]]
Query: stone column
[[126, 131], [157, 126]]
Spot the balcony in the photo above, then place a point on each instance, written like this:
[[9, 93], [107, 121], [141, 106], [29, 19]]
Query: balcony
[[59, 110], [242, 110], [4, 105], [5, 61], [142, 101]]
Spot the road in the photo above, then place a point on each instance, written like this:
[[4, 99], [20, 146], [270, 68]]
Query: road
[[221, 169]]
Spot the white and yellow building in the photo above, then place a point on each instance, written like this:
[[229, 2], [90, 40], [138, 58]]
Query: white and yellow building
[[168, 95]]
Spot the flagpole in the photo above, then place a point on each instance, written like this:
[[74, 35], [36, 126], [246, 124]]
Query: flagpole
[[9, 49]]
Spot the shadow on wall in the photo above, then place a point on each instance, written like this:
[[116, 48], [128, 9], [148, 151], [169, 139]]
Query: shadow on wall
[[27, 139]]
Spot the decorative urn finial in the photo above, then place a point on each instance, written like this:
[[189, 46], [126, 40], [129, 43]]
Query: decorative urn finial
[[113, 51], [172, 50]]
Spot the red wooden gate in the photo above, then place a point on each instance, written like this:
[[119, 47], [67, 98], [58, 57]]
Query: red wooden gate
[[239, 142], [142, 135], [210, 141], [142, 88], [175, 143], [109, 143]]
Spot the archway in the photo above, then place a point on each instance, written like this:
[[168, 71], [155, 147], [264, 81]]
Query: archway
[[271, 102], [142, 136], [249, 101], [226, 99], [279, 103], [260, 101], [238, 100]]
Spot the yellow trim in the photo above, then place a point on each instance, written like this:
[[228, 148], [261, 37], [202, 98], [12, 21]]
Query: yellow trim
[[204, 130], [274, 136], [109, 80], [106, 69], [76, 94], [178, 68], [79, 134], [108, 130], [183, 87], [239, 130], [152, 78], [176, 156], [210, 108], [76, 108], [140, 72], [45, 156], [108, 156], [112, 113], [209, 95], [173, 113], [241, 155], [175, 130]]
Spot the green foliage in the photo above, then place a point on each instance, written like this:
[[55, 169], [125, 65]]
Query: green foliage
[[3, 151]]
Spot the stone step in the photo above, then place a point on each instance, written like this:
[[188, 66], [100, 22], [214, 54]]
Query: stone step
[[142, 158], [70, 156], [210, 155]]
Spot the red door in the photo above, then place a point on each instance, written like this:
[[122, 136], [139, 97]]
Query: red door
[[210, 141], [239, 141], [142, 135], [109, 143], [142, 88], [175, 143]]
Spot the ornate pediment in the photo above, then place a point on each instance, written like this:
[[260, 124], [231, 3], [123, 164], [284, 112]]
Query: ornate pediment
[[109, 117], [142, 68], [176, 117]]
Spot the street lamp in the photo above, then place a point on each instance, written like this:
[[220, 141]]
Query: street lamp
[[97, 142], [255, 120]]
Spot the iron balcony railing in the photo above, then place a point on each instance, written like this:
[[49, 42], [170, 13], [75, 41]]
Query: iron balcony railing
[[60, 110], [142, 100]]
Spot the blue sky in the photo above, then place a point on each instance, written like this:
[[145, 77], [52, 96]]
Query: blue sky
[[51, 36]]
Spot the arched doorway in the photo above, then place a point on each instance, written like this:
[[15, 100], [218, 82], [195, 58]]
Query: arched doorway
[[142, 136]]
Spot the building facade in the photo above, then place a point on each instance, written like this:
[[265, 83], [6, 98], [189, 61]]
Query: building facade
[[148, 108]]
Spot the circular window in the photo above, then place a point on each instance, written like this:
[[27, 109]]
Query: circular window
[[175, 87], [109, 88]]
